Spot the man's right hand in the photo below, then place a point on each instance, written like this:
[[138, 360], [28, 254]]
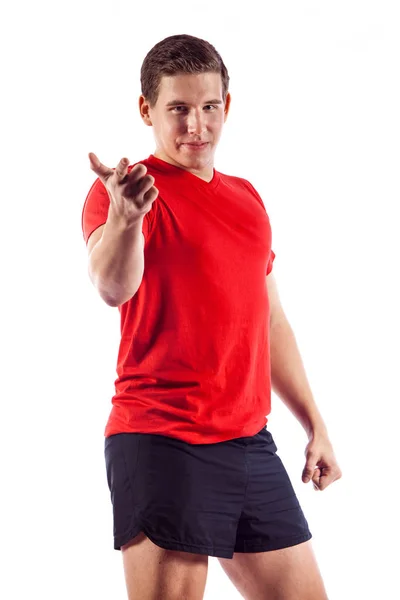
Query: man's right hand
[[131, 194]]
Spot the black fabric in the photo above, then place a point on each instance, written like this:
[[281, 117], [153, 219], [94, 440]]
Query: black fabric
[[214, 499]]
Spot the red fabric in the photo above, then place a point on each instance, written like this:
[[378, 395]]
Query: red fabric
[[194, 357]]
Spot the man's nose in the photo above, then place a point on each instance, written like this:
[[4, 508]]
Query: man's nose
[[196, 122]]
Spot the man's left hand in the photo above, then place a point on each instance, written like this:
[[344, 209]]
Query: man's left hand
[[321, 465]]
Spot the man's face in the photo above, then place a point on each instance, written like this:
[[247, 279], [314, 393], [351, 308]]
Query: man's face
[[189, 109]]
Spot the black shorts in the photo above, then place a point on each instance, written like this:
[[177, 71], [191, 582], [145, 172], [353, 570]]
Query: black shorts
[[215, 499]]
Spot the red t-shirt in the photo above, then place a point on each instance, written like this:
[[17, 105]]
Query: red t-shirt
[[194, 356]]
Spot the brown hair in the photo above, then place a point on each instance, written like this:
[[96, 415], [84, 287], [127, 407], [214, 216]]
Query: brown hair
[[179, 54]]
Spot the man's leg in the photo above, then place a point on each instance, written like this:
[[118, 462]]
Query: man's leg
[[285, 574], [154, 573]]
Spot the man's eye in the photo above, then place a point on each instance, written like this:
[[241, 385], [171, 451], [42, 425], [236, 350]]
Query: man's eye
[[176, 107]]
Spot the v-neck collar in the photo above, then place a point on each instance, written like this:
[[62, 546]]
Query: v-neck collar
[[167, 167]]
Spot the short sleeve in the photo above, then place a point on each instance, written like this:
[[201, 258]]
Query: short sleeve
[[271, 260], [258, 197], [95, 211]]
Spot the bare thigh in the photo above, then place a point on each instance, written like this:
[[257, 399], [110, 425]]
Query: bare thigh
[[285, 574], [154, 573]]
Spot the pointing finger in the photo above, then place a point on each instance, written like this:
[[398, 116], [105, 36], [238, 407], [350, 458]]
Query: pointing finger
[[121, 168]]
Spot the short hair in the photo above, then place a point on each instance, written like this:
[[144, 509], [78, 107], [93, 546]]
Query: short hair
[[180, 54]]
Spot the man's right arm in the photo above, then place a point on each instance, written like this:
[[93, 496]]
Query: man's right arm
[[116, 262]]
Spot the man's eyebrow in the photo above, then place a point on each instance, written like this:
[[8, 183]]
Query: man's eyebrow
[[180, 102]]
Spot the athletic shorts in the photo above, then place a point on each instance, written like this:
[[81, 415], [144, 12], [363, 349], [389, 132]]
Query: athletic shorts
[[214, 499]]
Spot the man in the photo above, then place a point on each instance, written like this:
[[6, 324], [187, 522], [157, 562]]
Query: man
[[192, 469]]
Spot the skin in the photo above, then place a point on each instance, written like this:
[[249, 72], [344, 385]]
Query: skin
[[194, 121]]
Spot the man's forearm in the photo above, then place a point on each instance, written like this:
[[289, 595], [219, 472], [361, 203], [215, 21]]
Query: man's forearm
[[289, 380]]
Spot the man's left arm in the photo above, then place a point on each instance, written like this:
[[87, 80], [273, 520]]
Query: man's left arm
[[289, 382]]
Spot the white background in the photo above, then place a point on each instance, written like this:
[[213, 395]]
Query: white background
[[314, 125]]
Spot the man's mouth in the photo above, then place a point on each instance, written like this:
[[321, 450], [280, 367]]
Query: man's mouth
[[196, 146]]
